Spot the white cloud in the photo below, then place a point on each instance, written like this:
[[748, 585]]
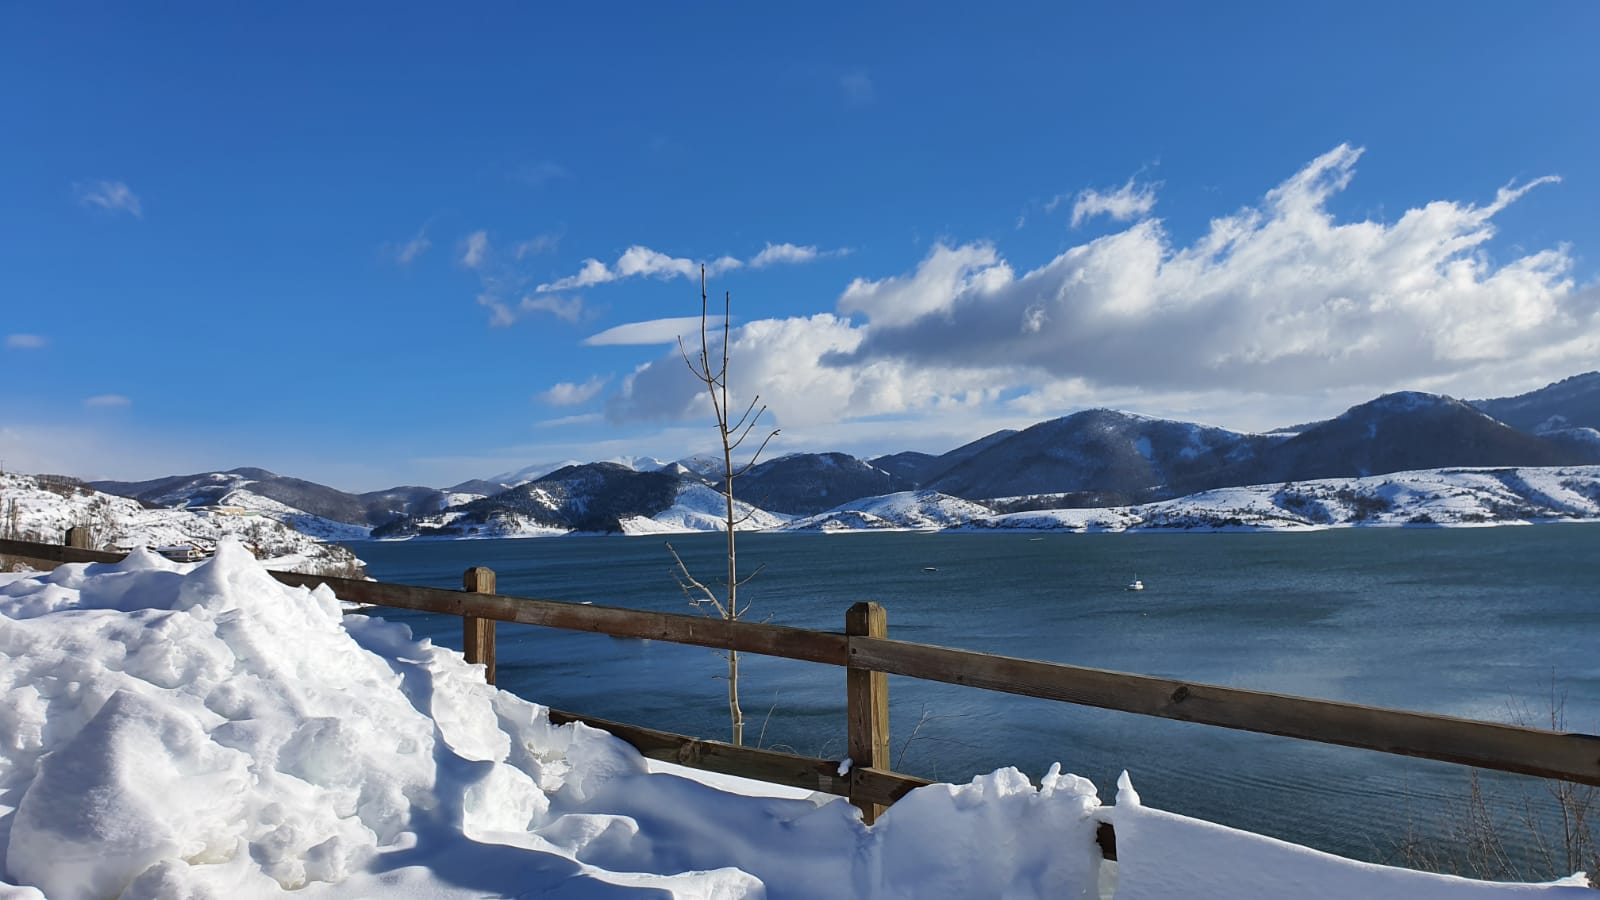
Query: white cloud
[[475, 249], [787, 362], [945, 274], [564, 421], [1277, 300], [782, 253], [641, 262], [107, 400], [407, 253], [567, 309], [110, 195], [1121, 204], [1278, 296], [636, 261], [503, 314], [536, 245], [567, 393], [26, 342], [653, 332], [723, 264]]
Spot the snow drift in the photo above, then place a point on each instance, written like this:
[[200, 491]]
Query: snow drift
[[204, 731]]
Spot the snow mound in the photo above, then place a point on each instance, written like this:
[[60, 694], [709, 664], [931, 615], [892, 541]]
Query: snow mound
[[202, 730], [1164, 855]]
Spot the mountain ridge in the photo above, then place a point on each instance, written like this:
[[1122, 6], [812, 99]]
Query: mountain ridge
[[1095, 458]]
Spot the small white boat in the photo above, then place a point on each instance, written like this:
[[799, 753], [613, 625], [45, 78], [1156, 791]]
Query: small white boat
[[930, 569], [1136, 584]]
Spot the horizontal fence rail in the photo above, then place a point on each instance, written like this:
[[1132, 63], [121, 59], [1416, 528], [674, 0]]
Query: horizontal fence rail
[[1488, 745], [869, 655]]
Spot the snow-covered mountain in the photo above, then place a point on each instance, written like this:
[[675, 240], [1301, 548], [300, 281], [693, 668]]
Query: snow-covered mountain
[[700, 508], [42, 508], [1096, 460], [314, 508], [921, 468], [1569, 403], [539, 470], [806, 483], [590, 498], [1396, 432], [1107, 452], [903, 511], [1450, 496]]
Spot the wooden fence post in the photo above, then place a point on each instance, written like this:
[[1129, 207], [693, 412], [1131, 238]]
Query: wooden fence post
[[78, 536], [867, 706], [478, 635]]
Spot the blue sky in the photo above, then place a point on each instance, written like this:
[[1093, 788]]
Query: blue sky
[[352, 243]]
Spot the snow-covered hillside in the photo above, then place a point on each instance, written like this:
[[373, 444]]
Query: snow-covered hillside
[[227, 736], [1452, 497], [904, 511], [699, 508], [1455, 497], [35, 510], [247, 501]]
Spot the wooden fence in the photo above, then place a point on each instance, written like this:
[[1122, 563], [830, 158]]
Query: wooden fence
[[869, 655]]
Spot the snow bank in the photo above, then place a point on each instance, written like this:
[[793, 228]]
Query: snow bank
[[203, 731], [1165, 856]]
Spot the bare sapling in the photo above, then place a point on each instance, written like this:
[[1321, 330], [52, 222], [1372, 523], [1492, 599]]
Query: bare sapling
[[710, 368]]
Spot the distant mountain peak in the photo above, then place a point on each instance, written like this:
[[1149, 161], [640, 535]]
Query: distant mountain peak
[[1408, 401]]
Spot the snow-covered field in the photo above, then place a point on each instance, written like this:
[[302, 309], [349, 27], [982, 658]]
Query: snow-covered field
[[201, 730], [42, 511]]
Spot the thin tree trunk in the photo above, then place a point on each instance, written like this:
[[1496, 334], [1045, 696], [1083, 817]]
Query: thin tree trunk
[[734, 712]]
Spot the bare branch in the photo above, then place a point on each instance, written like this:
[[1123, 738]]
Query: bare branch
[[757, 455], [740, 424], [744, 432], [763, 735], [751, 577], [687, 581]]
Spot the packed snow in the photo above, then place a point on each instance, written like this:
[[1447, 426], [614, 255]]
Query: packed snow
[[200, 730], [41, 509]]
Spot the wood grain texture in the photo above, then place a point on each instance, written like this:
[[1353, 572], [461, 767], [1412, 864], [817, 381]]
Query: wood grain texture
[[477, 638], [867, 706]]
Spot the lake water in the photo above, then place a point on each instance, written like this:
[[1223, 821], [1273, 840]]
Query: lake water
[[1467, 622]]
